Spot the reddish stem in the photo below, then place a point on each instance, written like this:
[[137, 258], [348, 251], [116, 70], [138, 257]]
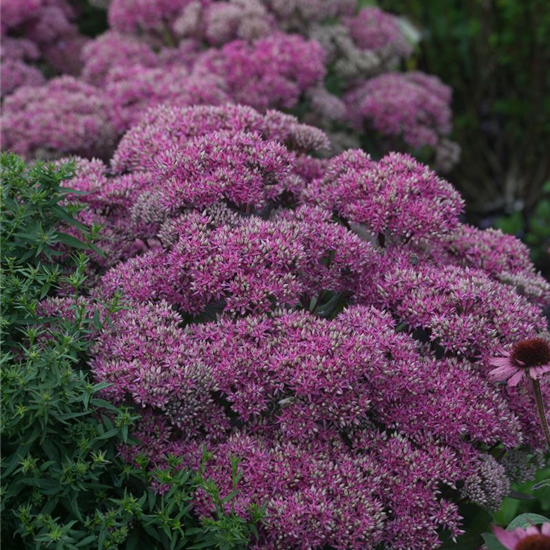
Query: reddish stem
[[540, 409]]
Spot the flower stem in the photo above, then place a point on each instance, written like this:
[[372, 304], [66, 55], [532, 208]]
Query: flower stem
[[540, 409]]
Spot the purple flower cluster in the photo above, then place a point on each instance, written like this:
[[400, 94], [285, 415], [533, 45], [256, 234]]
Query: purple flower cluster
[[114, 50], [412, 106], [201, 52], [396, 197], [461, 309], [158, 18], [272, 72], [15, 74], [66, 116], [365, 43], [502, 257], [170, 128], [37, 30], [301, 401], [133, 89], [328, 323], [372, 29]]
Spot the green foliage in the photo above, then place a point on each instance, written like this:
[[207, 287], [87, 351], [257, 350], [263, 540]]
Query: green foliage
[[476, 521], [522, 513], [538, 504], [494, 54], [492, 543], [64, 485], [33, 238], [534, 229], [525, 520], [91, 20]]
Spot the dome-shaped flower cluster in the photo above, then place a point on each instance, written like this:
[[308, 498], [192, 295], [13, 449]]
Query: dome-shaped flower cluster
[[35, 31], [327, 323], [66, 116], [412, 106]]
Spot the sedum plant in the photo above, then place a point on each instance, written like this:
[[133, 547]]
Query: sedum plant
[[330, 323], [38, 36]]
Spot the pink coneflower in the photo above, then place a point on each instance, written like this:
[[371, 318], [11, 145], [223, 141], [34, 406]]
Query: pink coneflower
[[531, 357], [525, 539]]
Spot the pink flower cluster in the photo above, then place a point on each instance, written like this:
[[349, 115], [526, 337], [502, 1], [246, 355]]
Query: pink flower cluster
[[157, 18], [396, 197], [461, 309], [171, 128], [502, 257], [114, 50], [15, 74], [37, 30], [272, 72], [372, 29], [413, 106], [201, 52], [66, 116], [125, 78], [328, 323]]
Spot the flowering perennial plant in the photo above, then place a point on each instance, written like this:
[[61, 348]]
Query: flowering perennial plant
[[330, 61], [66, 116], [412, 105], [33, 31], [330, 324]]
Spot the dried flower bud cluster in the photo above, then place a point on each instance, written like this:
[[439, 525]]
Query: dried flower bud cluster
[[328, 323]]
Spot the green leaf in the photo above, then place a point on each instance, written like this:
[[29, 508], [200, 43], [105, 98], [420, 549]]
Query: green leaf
[[520, 496], [526, 520], [69, 240], [476, 522], [541, 484], [108, 434], [204, 544], [492, 542]]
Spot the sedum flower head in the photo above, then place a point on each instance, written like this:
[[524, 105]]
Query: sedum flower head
[[64, 117], [396, 195], [412, 106], [272, 72]]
